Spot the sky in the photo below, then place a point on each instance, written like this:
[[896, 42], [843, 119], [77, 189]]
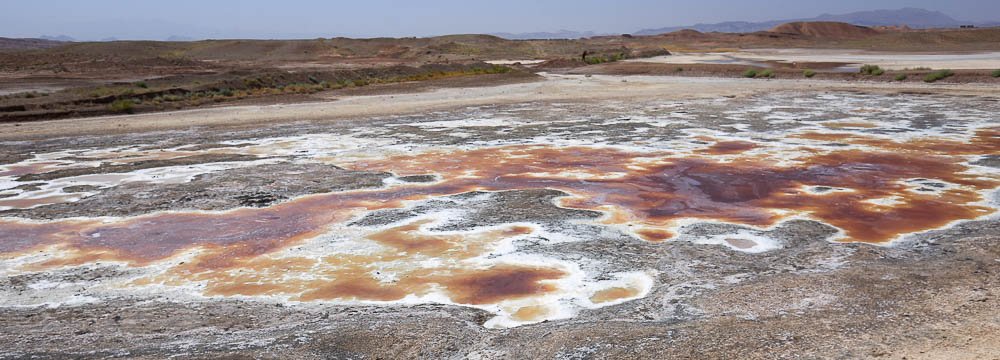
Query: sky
[[142, 19]]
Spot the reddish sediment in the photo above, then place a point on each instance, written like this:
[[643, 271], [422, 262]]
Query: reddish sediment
[[651, 190], [729, 147]]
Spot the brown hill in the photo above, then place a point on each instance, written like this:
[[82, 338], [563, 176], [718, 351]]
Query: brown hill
[[825, 30]]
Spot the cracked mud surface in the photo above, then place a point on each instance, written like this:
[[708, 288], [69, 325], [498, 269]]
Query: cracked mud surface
[[775, 226]]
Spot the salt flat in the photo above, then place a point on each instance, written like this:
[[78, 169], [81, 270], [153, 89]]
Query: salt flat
[[616, 214]]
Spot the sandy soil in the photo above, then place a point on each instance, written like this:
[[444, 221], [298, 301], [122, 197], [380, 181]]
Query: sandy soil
[[555, 88]]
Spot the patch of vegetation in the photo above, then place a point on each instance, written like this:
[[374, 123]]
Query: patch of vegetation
[[873, 70], [142, 84], [122, 106], [133, 97], [900, 77], [996, 73], [104, 91], [679, 69], [593, 60], [938, 75], [495, 69], [750, 73], [766, 74], [808, 73]]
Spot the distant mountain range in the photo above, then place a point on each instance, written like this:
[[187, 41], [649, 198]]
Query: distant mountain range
[[26, 44], [561, 34], [180, 38], [62, 38], [912, 17]]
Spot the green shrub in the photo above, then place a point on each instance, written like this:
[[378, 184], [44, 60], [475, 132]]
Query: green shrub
[[750, 73], [30, 95], [938, 75], [498, 69], [122, 106], [900, 77], [808, 73], [226, 92], [872, 70], [593, 60], [253, 83], [171, 97], [767, 73], [142, 84], [996, 73]]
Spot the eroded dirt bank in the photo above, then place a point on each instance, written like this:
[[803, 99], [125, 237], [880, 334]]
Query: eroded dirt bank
[[659, 222]]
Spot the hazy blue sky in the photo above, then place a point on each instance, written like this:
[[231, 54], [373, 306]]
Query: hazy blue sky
[[132, 19]]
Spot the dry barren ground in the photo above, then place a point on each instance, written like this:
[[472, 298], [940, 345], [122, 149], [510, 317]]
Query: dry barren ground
[[574, 217]]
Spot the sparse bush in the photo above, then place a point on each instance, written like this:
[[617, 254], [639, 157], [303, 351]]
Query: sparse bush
[[679, 69], [938, 75], [227, 92], [874, 70], [750, 73], [142, 84], [30, 95], [808, 73], [900, 77], [498, 69], [171, 97], [253, 83], [996, 73], [122, 106], [595, 59], [767, 74]]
